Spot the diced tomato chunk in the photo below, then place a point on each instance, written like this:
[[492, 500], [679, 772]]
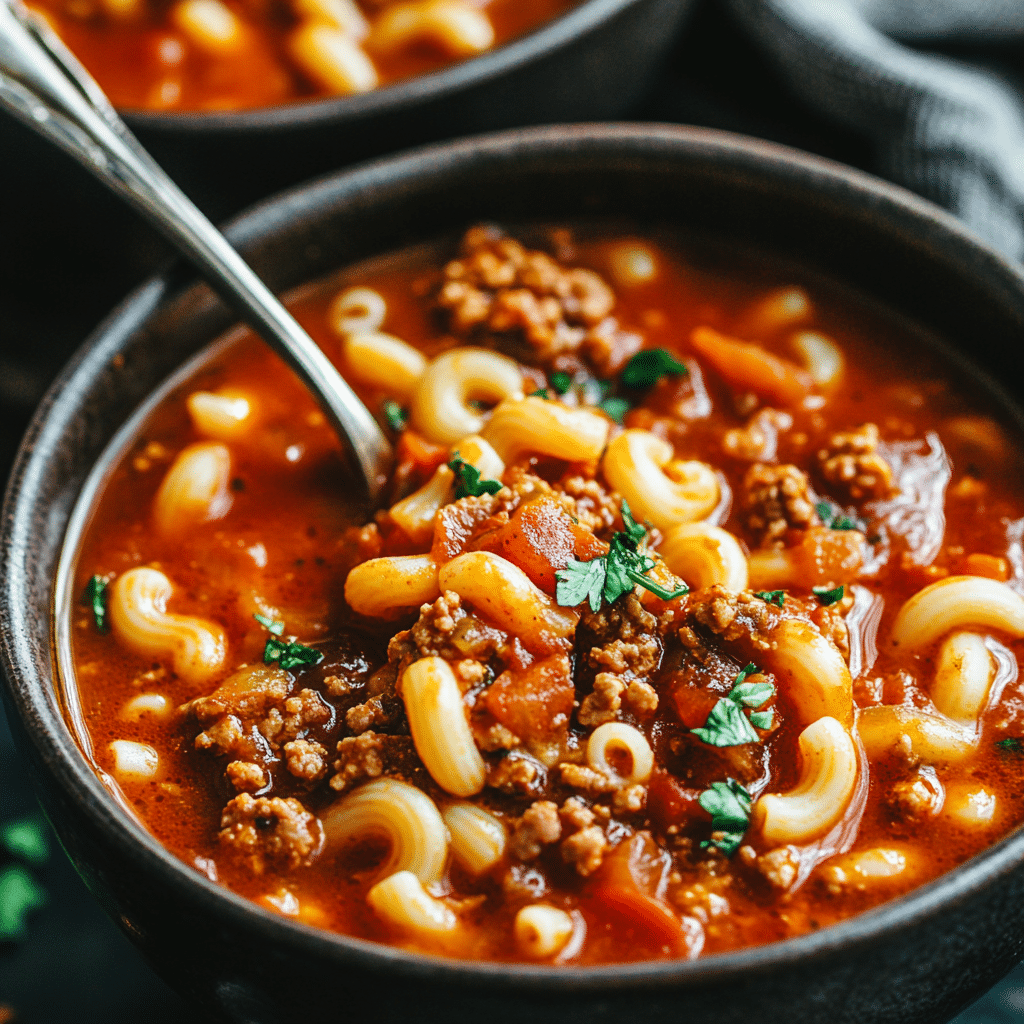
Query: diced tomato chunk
[[416, 450], [693, 703], [540, 537], [535, 703], [669, 802]]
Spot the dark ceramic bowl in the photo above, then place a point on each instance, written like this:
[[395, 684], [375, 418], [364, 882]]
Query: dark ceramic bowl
[[593, 63], [919, 958]]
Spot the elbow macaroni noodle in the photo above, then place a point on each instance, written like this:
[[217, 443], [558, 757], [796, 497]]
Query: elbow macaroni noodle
[[704, 555], [196, 648], [639, 465], [510, 598], [828, 777], [545, 428], [383, 586], [403, 815], [439, 727], [196, 488], [441, 408]]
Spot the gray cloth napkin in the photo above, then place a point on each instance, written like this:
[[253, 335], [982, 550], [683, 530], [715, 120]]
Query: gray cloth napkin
[[950, 129]]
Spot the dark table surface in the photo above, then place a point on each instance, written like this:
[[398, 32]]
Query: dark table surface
[[59, 277]]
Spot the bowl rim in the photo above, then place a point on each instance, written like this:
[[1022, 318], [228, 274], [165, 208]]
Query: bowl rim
[[533, 45], [36, 702]]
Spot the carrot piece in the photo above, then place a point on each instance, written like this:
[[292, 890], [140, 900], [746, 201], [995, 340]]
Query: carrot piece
[[534, 703], [748, 367]]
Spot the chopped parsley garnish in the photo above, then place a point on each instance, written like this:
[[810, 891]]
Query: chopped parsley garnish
[[727, 726], [729, 805], [1011, 745], [467, 479], [395, 415], [26, 839], [289, 656], [775, 597], [608, 577], [20, 894], [540, 393], [836, 519], [96, 597], [826, 596], [560, 381], [646, 368], [615, 407], [274, 625]]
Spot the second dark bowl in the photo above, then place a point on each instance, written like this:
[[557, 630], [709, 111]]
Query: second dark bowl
[[920, 958]]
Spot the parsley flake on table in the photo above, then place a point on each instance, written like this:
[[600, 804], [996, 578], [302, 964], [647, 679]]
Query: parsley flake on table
[[468, 483], [608, 577], [827, 596], [26, 839], [836, 519], [290, 655], [276, 626], [775, 597], [395, 415], [95, 597], [647, 367], [20, 894], [727, 726], [729, 805]]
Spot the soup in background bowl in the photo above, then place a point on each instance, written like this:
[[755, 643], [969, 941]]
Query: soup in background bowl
[[639, 767]]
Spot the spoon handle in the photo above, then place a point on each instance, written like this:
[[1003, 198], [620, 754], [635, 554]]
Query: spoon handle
[[44, 86]]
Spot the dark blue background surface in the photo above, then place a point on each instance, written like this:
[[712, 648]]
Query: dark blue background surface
[[59, 277]]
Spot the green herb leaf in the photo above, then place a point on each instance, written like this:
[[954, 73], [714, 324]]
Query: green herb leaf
[[775, 597], [290, 656], [1012, 745], [646, 368], [729, 805], [763, 719], [634, 531], [561, 382], [395, 415], [540, 393], [835, 518], [749, 669], [26, 839], [20, 894], [616, 408], [612, 575], [96, 597], [752, 695], [274, 625], [581, 581], [726, 726], [467, 479], [826, 596]]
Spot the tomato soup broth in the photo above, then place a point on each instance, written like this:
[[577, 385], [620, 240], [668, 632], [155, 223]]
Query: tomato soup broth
[[691, 622], [193, 55]]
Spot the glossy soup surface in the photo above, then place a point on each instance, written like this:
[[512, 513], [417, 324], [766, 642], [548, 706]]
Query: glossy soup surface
[[847, 751], [193, 55]]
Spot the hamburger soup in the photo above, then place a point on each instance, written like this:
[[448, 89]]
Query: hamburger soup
[[692, 620], [236, 55]]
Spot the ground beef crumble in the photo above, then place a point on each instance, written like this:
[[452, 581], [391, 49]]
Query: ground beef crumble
[[370, 755], [500, 287], [776, 499], [270, 830], [851, 462]]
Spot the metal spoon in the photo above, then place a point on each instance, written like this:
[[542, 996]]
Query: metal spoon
[[44, 86]]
